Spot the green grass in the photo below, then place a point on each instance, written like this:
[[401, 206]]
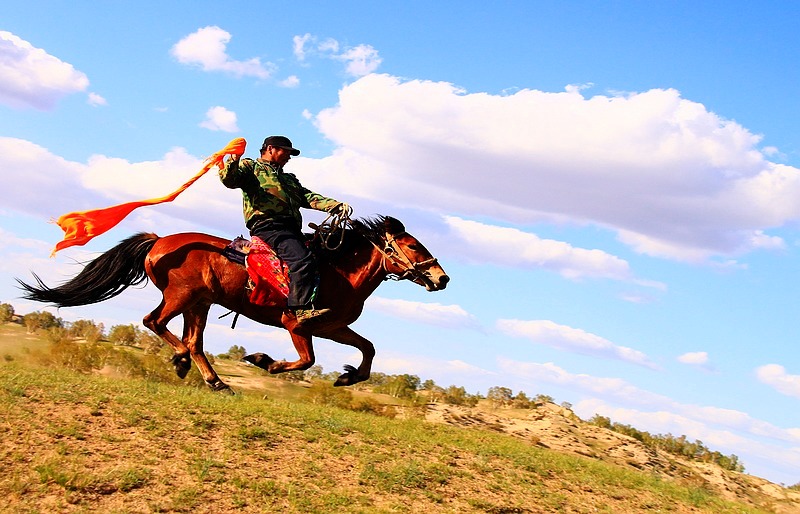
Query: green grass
[[73, 442]]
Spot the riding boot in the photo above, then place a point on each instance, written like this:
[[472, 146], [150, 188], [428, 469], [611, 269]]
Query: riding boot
[[307, 316]]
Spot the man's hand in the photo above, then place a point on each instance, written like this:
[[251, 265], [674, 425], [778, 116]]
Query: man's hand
[[342, 209]]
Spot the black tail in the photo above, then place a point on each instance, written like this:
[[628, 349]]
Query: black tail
[[103, 278]]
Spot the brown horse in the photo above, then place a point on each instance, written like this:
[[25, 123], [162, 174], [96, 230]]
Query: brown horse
[[192, 274]]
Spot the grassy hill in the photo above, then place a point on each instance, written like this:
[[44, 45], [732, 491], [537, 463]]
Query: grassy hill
[[73, 442]]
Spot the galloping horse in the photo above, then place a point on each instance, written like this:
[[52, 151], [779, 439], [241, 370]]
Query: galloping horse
[[192, 274]]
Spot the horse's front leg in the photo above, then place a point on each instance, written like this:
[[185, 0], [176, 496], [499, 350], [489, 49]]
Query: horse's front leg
[[346, 335]]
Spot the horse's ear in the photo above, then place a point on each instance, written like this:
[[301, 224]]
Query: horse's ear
[[393, 226]]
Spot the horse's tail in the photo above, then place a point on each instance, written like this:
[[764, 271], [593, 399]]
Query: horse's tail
[[105, 277]]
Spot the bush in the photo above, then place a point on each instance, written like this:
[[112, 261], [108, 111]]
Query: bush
[[123, 335], [374, 407], [6, 312], [323, 393], [87, 357]]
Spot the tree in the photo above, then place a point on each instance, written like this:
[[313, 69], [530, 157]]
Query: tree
[[457, 395], [400, 386], [313, 373], [123, 335], [601, 421], [543, 399], [429, 385], [41, 320], [499, 396], [521, 401], [235, 353], [151, 343], [6, 312], [87, 329]]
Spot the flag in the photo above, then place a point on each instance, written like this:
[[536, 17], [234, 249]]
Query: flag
[[80, 227]]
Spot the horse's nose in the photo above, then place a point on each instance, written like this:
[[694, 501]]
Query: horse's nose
[[443, 280]]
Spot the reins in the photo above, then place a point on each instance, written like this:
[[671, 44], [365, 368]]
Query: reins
[[334, 222]]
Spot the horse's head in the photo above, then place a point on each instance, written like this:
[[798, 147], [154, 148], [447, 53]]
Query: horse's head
[[406, 258]]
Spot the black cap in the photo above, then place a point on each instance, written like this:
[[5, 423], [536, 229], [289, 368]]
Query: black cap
[[280, 142]]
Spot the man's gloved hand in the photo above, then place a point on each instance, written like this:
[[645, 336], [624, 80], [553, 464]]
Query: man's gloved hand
[[342, 209]]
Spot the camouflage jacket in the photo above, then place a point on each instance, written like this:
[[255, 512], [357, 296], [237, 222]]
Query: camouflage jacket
[[269, 193]]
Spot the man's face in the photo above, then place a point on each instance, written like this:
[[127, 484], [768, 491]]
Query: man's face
[[278, 155]]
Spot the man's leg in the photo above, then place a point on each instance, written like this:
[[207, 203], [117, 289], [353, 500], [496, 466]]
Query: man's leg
[[291, 249]]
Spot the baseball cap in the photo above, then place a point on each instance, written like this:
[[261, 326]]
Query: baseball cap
[[280, 142]]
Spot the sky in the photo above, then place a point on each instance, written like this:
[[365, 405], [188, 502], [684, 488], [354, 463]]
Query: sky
[[612, 186]]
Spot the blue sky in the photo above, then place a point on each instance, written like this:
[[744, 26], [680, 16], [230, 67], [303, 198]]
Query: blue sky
[[612, 186]]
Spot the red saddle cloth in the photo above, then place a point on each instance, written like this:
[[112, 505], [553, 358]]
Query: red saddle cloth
[[269, 274]]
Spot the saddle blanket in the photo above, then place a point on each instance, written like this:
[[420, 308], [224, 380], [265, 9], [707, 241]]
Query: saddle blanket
[[269, 276]]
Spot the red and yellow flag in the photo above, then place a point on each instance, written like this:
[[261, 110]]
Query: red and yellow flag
[[80, 227]]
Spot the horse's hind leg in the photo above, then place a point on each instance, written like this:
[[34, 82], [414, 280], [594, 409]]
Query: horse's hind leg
[[194, 323], [305, 350], [346, 335], [157, 322]]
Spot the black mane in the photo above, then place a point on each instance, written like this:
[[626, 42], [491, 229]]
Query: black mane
[[372, 229]]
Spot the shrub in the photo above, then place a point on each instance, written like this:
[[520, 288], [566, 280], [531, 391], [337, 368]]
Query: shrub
[[6, 312], [322, 393]]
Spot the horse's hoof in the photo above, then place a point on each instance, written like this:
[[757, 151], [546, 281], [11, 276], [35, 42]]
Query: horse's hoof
[[218, 386], [182, 364], [277, 367], [349, 378], [260, 360]]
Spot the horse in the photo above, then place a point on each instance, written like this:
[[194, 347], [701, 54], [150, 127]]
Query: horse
[[193, 273]]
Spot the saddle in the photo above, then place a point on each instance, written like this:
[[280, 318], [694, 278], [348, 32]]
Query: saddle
[[268, 282]]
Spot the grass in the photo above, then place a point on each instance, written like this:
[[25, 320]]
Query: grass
[[72, 442]]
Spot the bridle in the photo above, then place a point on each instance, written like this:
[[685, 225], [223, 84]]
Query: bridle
[[392, 252]]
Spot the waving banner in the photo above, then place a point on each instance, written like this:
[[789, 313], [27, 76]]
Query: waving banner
[[80, 227]]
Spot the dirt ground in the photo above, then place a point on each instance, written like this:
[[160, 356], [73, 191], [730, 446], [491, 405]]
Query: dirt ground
[[557, 428]]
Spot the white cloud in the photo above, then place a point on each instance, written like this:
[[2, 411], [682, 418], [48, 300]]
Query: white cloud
[[290, 81], [450, 316], [446, 371], [96, 100], [669, 177], [220, 119], [299, 46], [30, 77], [207, 48], [39, 194], [359, 60], [775, 376], [572, 340], [531, 251], [695, 358]]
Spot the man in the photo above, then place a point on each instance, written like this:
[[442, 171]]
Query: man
[[272, 200]]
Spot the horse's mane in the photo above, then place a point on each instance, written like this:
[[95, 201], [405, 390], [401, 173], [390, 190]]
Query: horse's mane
[[372, 229]]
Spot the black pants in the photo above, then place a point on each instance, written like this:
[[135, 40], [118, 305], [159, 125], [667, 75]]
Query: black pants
[[289, 243]]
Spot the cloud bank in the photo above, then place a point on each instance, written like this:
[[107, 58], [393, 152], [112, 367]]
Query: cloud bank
[[32, 78], [670, 178]]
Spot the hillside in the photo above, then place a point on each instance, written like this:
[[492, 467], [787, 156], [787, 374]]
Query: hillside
[[76, 442]]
